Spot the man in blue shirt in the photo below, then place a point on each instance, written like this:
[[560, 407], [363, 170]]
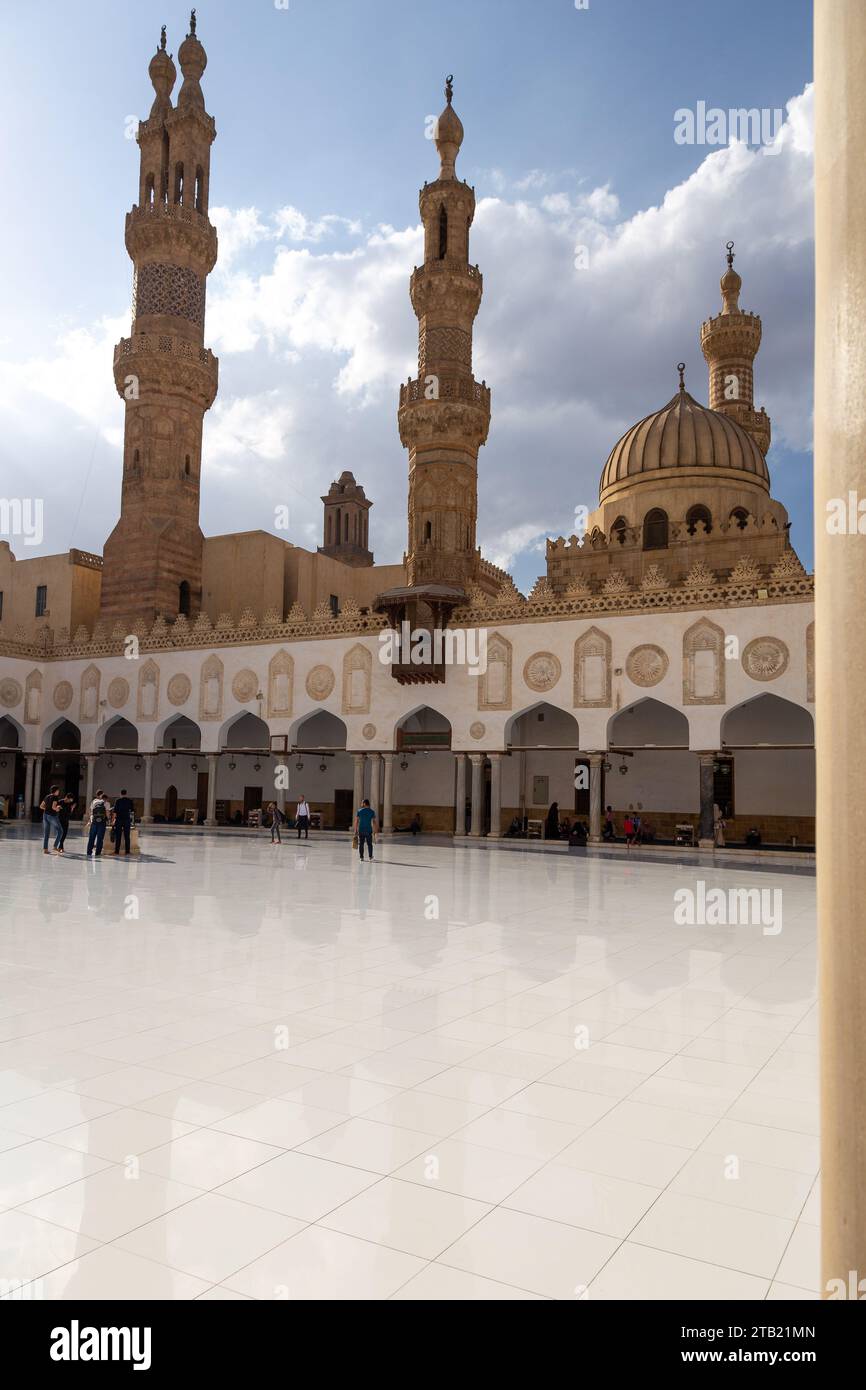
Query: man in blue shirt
[[365, 821]]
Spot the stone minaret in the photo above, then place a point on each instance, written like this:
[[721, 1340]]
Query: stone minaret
[[730, 343], [345, 527], [444, 415], [163, 371]]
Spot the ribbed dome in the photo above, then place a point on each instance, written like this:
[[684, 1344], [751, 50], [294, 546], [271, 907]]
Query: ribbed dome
[[684, 434]]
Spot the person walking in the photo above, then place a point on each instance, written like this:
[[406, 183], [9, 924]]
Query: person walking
[[50, 808], [365, 823], [628, 828], [123, 813], [99, 813], [275, 816], [551, 829], [303, 817], [66, 808]]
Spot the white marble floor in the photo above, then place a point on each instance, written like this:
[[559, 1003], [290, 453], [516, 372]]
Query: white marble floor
[[234, 1071]]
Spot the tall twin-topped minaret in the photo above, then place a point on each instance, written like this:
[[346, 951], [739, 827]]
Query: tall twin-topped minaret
[[168, 379], [444, 414]]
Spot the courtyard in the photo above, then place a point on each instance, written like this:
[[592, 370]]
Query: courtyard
[[230, 1070]]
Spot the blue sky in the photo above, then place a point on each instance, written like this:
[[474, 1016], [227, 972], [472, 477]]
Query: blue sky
[[320, 108]]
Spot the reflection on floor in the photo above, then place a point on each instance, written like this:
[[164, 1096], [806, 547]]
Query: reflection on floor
[[232, 1070]]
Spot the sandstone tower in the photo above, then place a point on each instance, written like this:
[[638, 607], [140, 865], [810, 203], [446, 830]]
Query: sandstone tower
[[444, 414], [153, 557], [345, 526], [730, 343]]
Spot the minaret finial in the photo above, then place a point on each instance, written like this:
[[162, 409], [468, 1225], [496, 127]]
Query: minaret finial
[[681, 368], [191, 24], [730, 248], [449, 87], [162, 38]]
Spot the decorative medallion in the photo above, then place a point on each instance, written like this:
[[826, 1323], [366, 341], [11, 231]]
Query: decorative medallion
[[179, 689], [320, 682], [646, 665], [62, 695], [765, 658], [542, 671], [11, 693], [118, 692], [369, 731], [244, 686], [477, 730]]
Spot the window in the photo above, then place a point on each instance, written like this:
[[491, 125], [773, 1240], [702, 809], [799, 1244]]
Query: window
[[186, 465], [334, 601], [199, 190], [428, 530], [655, 530], [617, 531], [1, 605], [740, 516], [183, 598], [41, 600], [178, 183], [696, 514], [443, 232]]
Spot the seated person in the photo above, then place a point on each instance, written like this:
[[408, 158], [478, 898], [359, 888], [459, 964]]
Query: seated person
[[753, 837], [578, 834], [514, 828], [415, 824]]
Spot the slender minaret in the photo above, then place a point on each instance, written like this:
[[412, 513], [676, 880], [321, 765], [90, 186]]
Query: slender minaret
[[167, 377], [444, 415], [730, 343]]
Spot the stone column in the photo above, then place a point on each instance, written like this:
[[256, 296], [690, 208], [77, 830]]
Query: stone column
[[388, 799], [358, 788], [29, 765], [35, 796], [375, 793], [495, 796], [840, 627], [595, 765], [706, 829], [147, 810], [91, 773], [282, 787], [477, 761], [212, 761], [460, 796]]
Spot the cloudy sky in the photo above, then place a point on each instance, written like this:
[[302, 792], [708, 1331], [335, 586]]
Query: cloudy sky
[[321, 109]]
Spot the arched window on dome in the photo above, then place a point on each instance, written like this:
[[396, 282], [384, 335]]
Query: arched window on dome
[[696, 514], [655, 530], [740, 516], [618, 530]]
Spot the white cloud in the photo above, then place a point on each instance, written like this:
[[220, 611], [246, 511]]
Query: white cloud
[[313, 326]]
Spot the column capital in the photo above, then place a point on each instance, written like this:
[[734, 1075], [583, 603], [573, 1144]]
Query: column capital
[[497, 754], [477, 759], [595, 759], [388, 756]]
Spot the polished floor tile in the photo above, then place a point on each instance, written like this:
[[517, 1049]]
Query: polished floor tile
[[550, 1092]]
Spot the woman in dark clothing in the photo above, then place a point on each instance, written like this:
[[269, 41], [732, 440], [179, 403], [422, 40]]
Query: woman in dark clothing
[[67, 809], [551, 829]]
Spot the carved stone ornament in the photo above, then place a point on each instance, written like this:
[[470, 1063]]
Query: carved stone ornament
[[646, 665], [369, 731], [477, 730], [179, 689], [63, 695], [542, 670], [765, 658], [11, 693], [118, 692], [244, 686], [320, 682]]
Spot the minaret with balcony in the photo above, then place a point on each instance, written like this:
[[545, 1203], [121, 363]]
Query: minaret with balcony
[[730, 343], [164, 373]]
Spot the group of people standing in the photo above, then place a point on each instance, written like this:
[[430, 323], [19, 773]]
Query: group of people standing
[[364, 824], [58, 808], [275, 818]]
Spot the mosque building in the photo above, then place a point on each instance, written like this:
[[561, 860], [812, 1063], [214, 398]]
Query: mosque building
[[663, 663]]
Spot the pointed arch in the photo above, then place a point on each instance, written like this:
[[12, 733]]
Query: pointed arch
[[281, 673], [592, 670], [210, 691], [704, 664], [147, 703], [357, 679], [494, 686]]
